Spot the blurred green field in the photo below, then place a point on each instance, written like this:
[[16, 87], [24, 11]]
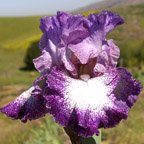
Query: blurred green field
[[17, 35], [18, 29]]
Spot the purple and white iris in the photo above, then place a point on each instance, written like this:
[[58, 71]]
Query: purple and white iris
[[79, 84]]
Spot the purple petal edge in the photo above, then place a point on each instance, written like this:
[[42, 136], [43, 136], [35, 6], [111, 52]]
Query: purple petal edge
[[26, 107], [123, 93]]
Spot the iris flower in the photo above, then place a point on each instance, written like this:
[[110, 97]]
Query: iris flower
[[79, 84]]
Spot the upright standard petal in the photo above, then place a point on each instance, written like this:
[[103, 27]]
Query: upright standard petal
[[108, 57], [26, 107], [106, 21], [64, 28], [87, 49], [112, 20], [86, 106], [51, 29], [82, 36]]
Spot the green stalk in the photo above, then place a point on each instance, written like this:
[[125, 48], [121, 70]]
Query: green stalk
[[79, 140], [98, 139], [93, 140]]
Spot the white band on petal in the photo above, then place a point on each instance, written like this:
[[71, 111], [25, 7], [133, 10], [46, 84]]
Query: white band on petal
[[91, 94], [26, 94]]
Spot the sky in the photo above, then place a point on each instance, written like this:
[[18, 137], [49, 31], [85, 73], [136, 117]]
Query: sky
[[39, 7]]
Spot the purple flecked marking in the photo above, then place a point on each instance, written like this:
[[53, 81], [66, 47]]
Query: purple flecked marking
[[26, 109], [87, 122]]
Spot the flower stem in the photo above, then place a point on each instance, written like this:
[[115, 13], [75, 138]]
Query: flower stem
[[75, 139], [98, 139], [93, 140]]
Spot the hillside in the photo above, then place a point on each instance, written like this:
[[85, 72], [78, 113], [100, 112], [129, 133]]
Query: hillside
[[109, 4]]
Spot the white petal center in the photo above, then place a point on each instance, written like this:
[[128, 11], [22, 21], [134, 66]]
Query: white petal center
[[91, 94]]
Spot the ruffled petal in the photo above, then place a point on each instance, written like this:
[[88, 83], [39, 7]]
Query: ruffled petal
[[112, 20], [64, 28], [86, 106], [43, 42], [106, 21], [26, 107], [113, 53], [51, 28], [108, 57], [83, 36], [50, 55], [44, 62], [74, 27]]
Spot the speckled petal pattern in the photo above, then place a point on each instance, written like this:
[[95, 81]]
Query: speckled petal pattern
[[26, 107], [87, 106], [106, 21]]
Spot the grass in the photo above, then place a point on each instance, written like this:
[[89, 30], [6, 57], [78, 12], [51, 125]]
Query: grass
[[18, 29], [11, 62], [18, 34], [46, 133]]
